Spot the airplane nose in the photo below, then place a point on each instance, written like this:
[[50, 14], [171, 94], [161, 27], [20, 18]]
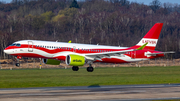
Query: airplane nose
[[7, 51]]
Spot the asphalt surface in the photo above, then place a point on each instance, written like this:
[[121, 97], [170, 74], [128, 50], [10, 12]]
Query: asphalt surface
[[94, 93]]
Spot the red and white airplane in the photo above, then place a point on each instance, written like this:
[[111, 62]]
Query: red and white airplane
[[78, 54]]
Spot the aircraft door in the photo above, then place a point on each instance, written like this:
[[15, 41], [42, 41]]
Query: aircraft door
[[74, 48], [30, 46], [133, 54]]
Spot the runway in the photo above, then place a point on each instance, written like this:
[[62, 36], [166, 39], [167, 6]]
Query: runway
[[94, 92]]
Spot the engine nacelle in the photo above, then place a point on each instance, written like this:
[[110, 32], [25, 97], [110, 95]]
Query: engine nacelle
[[75, 60], [51, 61]]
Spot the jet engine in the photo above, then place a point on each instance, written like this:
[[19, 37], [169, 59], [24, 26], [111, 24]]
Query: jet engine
[[51, 61], [75, 60]]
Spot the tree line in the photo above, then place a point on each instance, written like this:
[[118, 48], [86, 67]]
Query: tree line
[[104, 22]]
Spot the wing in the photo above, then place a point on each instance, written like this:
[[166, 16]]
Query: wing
[[98, 56]]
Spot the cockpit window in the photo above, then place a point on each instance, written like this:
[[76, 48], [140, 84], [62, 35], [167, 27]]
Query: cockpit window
[[18, 44], [13, 44]]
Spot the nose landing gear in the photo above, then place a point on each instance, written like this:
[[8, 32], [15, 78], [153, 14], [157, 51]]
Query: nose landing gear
[[18, 64], [18, 58]]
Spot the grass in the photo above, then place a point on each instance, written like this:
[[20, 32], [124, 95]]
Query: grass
[[100, 76]]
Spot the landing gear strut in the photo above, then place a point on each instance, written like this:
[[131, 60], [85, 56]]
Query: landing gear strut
[[90, 68], [75, 68], [17, 58]]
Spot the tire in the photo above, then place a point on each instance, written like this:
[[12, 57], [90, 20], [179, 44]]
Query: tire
[[18, 64], [90, 69], [75, 68]]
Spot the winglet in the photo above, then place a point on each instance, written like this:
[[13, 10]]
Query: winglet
[[69, 41], [142, 47]]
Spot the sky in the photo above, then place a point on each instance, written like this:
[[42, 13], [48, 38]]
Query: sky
[[147, 2]]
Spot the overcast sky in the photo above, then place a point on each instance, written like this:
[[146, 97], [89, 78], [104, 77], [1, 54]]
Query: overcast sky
[[139, 1]]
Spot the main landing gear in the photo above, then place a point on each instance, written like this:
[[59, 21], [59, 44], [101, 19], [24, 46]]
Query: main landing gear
[[75, 68], [89, 69]]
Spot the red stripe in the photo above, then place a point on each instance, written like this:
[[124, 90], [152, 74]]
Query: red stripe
[[33, 55], [53, 51]]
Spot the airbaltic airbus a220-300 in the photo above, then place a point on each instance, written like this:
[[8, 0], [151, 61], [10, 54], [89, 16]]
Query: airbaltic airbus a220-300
[[79, 54]]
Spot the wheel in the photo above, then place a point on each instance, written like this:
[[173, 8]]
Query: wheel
[[17, 64], [75, 68], [90, 69]]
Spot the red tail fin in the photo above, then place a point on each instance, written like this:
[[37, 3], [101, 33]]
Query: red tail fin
[[151, 37]]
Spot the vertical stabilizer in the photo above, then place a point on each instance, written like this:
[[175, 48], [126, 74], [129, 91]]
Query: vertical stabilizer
[[151, 37]]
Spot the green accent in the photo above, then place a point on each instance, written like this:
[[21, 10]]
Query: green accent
[[23, 78], [69, 41], [142, 47], [76, 60], [53, 62]]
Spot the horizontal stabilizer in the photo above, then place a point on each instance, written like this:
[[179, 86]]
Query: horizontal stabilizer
[[160, 53]]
